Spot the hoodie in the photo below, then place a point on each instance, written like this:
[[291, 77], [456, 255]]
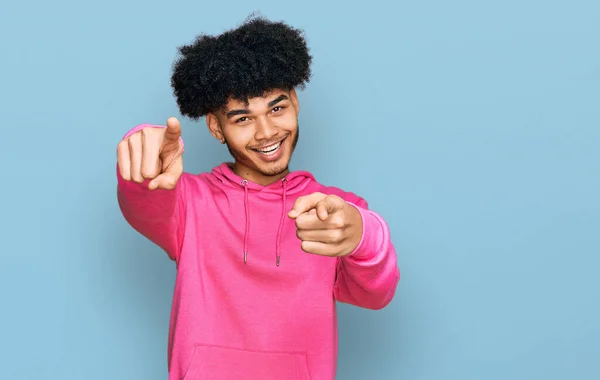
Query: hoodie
[[248, 303]]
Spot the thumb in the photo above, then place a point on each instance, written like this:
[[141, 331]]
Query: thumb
[[167, 180], [305, 203]]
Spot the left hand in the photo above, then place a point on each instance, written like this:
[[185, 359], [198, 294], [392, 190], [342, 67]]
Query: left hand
[[326, 224]]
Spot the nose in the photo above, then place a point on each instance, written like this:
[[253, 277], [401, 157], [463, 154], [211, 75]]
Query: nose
[[265, 129]]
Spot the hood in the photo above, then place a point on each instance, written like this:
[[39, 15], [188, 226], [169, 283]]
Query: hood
[[295, 182]]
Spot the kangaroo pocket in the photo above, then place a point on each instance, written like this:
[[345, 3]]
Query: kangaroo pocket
[[219, 363]]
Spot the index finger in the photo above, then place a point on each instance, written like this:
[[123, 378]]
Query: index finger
[[310, 221], [305, 203], [173, 131]]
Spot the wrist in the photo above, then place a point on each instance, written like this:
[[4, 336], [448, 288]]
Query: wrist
[[356, 230]]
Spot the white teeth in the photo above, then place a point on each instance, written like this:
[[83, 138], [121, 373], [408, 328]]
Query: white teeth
[[270, 149]]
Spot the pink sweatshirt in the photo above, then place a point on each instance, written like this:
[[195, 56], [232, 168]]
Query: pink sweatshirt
[[233, 320]]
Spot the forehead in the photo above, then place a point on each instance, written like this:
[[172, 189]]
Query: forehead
[[256, 102]]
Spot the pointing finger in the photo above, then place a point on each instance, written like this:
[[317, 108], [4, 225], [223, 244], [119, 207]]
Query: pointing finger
[[310, 221], [323, 209], [173, 131], [328, 206], [305, 203]]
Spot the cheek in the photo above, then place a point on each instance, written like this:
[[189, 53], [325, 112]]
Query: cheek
[[239, 139], [289, 123]]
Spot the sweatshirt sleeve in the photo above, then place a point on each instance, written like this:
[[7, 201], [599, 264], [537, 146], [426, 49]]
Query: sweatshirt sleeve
[[159, 215], [368, 277]]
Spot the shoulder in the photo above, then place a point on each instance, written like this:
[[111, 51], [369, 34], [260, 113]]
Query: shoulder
[[201, 179], [196, 183]]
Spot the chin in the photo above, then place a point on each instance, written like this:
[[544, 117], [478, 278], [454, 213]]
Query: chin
[[274, 168], [274, 162]]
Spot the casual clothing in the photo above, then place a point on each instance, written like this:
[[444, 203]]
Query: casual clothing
[[248, 302]]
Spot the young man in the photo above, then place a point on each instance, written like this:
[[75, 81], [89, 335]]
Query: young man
[[262, 253]]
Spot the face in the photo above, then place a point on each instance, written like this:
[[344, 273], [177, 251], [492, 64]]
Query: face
[[260, 135]]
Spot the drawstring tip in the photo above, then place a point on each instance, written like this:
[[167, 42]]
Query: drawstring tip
[[277, 261], [245, 257]]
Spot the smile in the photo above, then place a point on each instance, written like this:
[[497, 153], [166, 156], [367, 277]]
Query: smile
[[271, 149]]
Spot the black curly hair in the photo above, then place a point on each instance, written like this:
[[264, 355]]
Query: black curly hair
[[241, 63]]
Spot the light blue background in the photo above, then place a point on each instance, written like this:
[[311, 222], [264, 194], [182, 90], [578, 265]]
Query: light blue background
[[472, 127]]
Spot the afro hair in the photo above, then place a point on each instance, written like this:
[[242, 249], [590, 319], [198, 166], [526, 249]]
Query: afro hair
[[241, 63]]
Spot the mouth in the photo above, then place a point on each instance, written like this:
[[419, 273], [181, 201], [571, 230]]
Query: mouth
[[271, 149]]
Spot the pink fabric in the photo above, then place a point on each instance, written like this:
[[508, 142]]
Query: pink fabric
[[248, 302]]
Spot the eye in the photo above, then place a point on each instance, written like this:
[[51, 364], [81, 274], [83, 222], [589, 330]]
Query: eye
[[241, 119], [277, 109]]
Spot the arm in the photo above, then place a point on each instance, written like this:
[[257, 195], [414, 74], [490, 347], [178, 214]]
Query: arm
[[368, 277], [157, 214]]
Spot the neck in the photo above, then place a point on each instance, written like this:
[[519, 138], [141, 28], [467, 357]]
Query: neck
[[254, 176]]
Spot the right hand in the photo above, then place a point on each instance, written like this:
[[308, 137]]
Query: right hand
[[153, 154]]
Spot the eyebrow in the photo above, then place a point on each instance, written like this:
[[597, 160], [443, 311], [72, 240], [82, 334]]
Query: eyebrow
[[247, 111], [237, 112], [279, 99]]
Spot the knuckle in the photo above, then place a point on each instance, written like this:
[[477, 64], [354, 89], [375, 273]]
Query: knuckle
[[152, 135], [331, 198], [337, 222], [305, 246], [147, 131], [337, 236], [149, 173], [170, 182], [134, 140]]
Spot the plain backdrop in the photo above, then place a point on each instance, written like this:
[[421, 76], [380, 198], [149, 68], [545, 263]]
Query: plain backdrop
[[472, 127]]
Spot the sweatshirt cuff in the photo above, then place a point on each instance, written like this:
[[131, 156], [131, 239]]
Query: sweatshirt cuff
[[142, 126], [372, 233]]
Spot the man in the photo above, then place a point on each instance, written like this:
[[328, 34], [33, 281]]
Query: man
[[262, 253]]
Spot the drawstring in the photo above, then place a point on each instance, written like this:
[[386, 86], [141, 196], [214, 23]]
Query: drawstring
[[244, 184], [278, 253], [280, 229]]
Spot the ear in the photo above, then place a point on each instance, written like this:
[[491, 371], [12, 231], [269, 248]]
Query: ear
[[294, 99], [214, 127]]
